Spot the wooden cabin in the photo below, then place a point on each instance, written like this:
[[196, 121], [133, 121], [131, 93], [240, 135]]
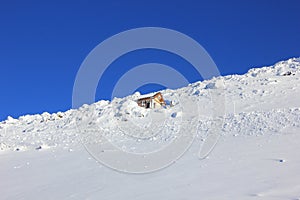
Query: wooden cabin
[[154, 101]]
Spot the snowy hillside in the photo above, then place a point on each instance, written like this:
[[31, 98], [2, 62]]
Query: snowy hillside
[[255, 156]]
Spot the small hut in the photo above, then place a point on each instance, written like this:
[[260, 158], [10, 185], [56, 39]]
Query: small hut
[[154, 101]]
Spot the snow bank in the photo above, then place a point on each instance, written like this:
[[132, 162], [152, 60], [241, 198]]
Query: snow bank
[[251, 108]]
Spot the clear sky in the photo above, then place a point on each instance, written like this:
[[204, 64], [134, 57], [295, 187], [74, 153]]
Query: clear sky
[[43, 43]]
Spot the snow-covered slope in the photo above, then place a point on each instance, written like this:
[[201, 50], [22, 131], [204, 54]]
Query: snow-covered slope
[[255, 158]]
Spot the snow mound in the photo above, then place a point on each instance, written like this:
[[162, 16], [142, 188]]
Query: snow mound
[[255, 104], [283, 68]]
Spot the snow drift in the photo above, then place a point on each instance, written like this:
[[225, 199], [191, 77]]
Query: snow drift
[[256, 157]]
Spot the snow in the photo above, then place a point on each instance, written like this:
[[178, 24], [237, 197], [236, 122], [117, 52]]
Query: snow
[[255, 154]]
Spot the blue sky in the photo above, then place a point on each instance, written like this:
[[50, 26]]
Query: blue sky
[[43, 43]]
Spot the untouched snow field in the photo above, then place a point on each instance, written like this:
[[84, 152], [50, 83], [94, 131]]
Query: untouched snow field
[[256, 156]]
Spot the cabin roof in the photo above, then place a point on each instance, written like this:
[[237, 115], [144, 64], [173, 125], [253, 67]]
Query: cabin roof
[[146, 96]]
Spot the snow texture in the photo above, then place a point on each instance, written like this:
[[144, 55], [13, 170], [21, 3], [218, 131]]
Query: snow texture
[[256, 157]]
